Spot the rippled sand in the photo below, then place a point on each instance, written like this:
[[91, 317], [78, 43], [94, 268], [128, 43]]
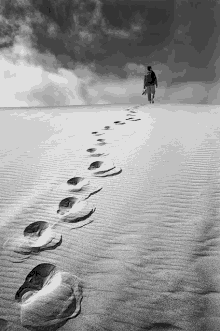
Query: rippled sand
[[110, 218]]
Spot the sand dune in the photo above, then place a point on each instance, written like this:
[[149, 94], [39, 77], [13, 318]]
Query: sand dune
[[119, 232]]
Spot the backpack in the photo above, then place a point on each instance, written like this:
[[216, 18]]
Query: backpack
[[149, 77]]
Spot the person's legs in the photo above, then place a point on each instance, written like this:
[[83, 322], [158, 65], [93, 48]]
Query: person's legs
[[153, 92], [149, 93]]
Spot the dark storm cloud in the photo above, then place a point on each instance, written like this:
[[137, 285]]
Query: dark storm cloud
[[94, 31], [196, 37]]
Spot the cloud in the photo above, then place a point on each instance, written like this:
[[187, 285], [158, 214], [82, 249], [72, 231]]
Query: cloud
[[193, 93], [30, 80]]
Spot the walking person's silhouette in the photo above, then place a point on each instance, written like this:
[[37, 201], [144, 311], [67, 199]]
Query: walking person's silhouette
[[150, 80]]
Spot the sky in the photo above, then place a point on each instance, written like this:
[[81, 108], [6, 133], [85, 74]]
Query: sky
[[71, 52]]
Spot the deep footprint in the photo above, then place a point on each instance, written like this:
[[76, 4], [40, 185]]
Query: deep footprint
[[37, 237], [67, 203], [91, 150], [101, 143], [76, 184], [95, 133], [48, 297], [95, 165], [97, 154], [82, 194], [73, 210], [101, 167], [119, 122]]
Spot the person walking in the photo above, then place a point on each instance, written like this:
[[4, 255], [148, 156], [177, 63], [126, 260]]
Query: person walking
[[150, 80]]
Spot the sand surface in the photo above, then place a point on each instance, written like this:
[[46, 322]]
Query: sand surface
[[110, 218]]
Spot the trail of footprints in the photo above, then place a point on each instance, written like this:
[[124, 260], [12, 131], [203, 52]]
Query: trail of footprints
[[49, 296]]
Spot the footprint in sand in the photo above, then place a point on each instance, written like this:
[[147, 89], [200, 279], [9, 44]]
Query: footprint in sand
[[91, 150], [73, 210], [104, 168], [81, 187], [76, 184], [107, 127], [48, 297], [101, 142], [99, 167], [37, 237], [96, 133], [97, 154], [119, 123]]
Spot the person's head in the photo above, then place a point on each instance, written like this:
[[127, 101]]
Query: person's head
[[149, 68]]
